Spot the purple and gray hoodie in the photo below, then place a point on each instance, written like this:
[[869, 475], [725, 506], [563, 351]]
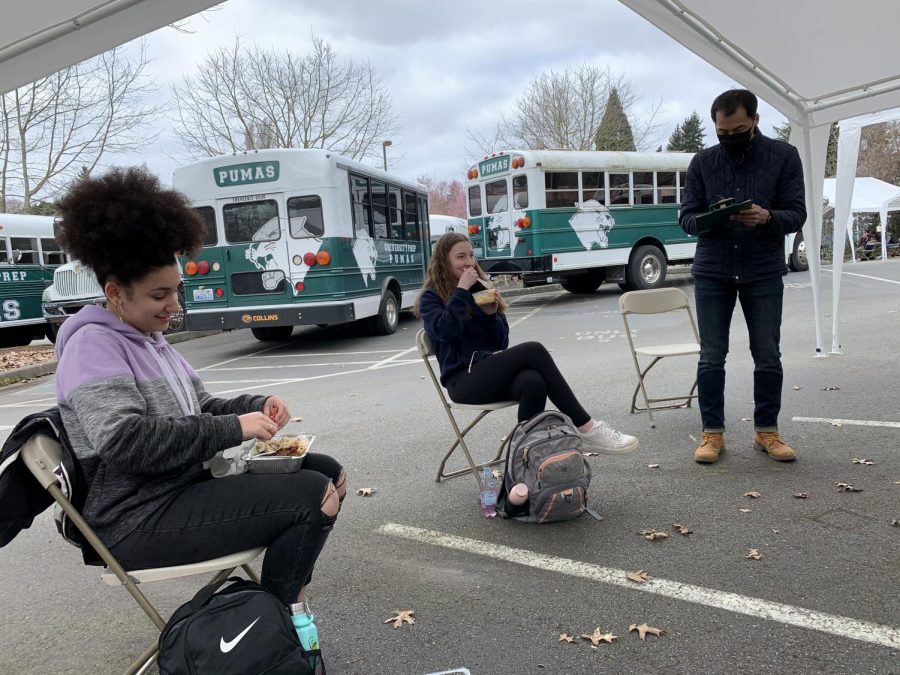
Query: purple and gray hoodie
[[135, 403]]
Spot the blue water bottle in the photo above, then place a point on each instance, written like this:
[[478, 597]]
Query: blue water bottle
[[488, 494], [304, 623]]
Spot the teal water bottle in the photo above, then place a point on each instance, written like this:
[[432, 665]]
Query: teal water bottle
[[304, 623]]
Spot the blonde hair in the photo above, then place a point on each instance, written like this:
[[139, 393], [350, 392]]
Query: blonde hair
[[439, 276]]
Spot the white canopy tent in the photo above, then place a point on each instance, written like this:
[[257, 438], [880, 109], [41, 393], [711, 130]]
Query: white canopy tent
[[869, 195], [42, 36], [815, 61]]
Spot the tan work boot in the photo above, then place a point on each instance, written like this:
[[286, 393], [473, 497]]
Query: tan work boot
[[711, 445], [771, 442]]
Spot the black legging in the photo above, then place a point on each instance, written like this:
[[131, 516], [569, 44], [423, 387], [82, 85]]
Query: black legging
[[525, 373]]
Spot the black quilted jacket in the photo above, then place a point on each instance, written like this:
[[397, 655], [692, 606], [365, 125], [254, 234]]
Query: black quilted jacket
[[771, 175]]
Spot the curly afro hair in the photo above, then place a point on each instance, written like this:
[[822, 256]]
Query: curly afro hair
[[125, 224]]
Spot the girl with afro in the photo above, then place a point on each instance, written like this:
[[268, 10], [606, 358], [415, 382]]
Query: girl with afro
[[134, 409]]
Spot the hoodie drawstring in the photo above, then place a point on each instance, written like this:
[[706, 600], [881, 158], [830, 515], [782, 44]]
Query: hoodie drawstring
[[176, 377]]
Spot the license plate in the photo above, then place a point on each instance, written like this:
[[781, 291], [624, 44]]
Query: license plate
[[203, 295]]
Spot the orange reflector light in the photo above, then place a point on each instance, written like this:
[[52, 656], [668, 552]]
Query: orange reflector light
[[526, 221], [299, 286], [190, 268], [323, 257], [309, 258], [219, 292], [203, 267]]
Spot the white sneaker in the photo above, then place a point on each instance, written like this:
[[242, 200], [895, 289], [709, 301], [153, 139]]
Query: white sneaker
[[606, 440]]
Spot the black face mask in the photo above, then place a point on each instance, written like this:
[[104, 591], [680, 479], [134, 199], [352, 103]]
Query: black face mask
[[736, 144]]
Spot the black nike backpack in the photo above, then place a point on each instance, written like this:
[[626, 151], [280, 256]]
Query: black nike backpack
[[240, 630]]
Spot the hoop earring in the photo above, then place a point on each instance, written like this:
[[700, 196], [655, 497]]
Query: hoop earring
[[117, 308]]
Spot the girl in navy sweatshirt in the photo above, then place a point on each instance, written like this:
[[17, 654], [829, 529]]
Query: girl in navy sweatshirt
[[127, 398], [471, 342]]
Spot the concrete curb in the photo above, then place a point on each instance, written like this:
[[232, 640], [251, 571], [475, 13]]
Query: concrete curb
[[42, 369]]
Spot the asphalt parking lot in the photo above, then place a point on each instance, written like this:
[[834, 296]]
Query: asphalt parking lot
[[494, 596]]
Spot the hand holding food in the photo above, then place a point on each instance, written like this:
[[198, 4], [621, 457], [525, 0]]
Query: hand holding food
[[257, 425], [468, 278], [276, 410]]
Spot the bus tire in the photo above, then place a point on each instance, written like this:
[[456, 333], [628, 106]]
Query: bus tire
[[583, 282], [797, 261], [388, 317], [646, 269], [16, 336], [272, 334]]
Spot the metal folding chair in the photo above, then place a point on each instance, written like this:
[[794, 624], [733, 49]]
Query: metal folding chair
[[658, 301], [426, 351], [42, 455]]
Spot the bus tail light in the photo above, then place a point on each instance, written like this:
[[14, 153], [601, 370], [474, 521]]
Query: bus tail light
[[526, 222], [299, 286], [220, 292], [309, 258], [520, 223], [203, 267], [190, 268], [474, 229], [323, 257]]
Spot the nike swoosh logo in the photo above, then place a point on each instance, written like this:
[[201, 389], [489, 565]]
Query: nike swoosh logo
[[228, 646]]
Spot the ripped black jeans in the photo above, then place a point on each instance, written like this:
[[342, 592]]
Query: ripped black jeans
[[219, 516]]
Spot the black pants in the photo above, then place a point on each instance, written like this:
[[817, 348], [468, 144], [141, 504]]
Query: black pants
[[219, 516], [525, 373]]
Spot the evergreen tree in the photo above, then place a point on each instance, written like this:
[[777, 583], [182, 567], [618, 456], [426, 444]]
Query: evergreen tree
[[783, 133], [615, 132], [688, 136]]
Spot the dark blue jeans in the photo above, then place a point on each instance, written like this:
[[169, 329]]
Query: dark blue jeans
[[761, 303]]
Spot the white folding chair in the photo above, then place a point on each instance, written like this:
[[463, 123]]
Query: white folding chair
[[658, 301], [426, 351], [42, 455]]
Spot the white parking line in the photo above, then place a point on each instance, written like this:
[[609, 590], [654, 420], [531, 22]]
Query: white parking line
[[281, 366], [858, 423], [866, 276], [287, 356], [841, 626]]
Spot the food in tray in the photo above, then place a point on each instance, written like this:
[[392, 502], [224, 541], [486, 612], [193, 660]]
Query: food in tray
[[282, 446], [483, 292]]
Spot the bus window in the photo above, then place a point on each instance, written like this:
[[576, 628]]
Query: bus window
[[423, 214], [305, 217], [411, 215], [257, 283], [395, 207], [208, 214], [51, 252], [25, 250], [561, 189], [359, 198], [682, 179], [496, 196], [643, 187], [475, 201], [379, 210], [4, 251], [520, 192], [593, 187], [619, 187], [251, 221], [665, 183]]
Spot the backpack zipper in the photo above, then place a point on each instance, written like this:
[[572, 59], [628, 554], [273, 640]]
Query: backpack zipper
[[555, 458]]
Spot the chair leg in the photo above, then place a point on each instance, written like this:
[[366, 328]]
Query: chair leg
[[144, 661], [250, 572], [460, 441]]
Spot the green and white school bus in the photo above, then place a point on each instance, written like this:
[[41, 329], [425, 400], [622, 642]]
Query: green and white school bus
[[298, 237], [582, 218], [28, 255]]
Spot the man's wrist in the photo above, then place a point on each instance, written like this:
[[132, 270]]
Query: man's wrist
[[769, 218]]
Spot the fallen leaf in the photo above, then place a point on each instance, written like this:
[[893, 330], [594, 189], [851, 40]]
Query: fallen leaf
[[774, 531], [598, 636], [830, 388], [421, 377], [846, 487], [404, 616], [638, 577], [895, 523], [753, 554], [591, 454], [565, 637], [867, 462], [797, 388], [801, 495], [503, 439], [366, 492], [744, 510], [693, 438], [682, 529], [496, 473], [752, 495], [746, 419], [652, 535], [296, 419], [836, 424], [643, 630], [653, 466]]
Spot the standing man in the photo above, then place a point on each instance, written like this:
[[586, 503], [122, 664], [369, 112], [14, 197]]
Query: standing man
[[743, 260]]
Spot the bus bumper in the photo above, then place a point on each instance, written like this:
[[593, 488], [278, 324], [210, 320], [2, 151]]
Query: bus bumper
[[541, 263], [269, 317]]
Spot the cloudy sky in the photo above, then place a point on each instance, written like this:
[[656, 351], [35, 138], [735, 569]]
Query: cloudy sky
[[451, 67]]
